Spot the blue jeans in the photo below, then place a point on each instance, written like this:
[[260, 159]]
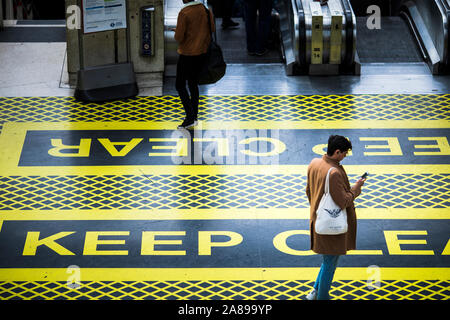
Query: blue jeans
[[325, 277]]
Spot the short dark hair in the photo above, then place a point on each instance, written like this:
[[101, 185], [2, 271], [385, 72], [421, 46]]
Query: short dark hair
[[338, 143]]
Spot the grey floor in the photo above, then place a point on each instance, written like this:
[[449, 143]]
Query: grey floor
[[39, 69], [391, 64], [270, 79]]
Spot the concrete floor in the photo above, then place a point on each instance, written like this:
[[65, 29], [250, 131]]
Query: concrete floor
[[122, 194], [39, 69]]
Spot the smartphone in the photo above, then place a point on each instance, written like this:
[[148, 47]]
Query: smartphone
[[364, 176]]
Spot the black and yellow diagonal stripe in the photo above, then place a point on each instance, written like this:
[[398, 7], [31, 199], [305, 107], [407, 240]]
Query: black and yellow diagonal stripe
[[216, 192], [222, 290], [404, 191], [231, 108]]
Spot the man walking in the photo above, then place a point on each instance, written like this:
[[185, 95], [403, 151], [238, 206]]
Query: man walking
[[331, 246], [193, 35]]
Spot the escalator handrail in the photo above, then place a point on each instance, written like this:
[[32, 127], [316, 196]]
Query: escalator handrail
[[349, 28], [433, 56], [301, 32], [408, 19], [446, 6]]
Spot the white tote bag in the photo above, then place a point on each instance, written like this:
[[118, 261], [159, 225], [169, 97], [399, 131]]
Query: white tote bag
[[330, 218]]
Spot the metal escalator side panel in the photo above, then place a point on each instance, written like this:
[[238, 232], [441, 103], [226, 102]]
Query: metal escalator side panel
[[301, 34], [295, 28], [337, 32], [448, 38], [290, 31], [446, 6], [284, 10], [442, 7], [428, 19], [350, 32], [308, 32], [316, 43]]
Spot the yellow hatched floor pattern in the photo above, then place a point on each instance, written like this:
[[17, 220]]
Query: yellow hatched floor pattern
[[223, 290], [216, 192], [222, 191], [231, 108]]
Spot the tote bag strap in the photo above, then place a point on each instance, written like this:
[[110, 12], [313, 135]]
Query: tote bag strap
[[327, 181], [209, 20]]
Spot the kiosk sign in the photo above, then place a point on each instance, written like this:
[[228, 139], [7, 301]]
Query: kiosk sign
[[104, 15]]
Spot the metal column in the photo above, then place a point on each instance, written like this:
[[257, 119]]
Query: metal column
[[1, 14]]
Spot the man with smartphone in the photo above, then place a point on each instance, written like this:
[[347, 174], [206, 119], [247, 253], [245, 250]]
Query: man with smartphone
[[331, 246]]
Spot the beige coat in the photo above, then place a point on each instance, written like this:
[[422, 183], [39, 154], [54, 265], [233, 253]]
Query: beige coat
[[342, 194]]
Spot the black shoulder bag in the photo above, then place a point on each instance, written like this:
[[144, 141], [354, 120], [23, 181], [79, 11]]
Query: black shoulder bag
[[214, 66]]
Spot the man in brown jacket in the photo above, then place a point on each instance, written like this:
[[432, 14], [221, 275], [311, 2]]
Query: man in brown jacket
[[331, 246], [193, 35]]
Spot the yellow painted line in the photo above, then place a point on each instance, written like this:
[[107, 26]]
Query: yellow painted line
[[211, 274], [213, 214], [233, 125], [13, 137], [341, 124], [291, 169], [9, 169]]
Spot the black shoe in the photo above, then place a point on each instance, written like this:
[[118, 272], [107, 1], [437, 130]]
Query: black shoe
[[187, 124], [265, 51], [251, 53], [229, 24]]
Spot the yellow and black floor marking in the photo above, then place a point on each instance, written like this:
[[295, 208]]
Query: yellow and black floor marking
[[110, 201]]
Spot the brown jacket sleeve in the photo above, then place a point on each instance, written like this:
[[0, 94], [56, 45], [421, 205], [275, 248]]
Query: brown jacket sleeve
[[356, 192], [180, 30], [339, 190], [308, 186]]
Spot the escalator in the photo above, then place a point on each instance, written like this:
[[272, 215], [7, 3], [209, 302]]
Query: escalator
[[318, 40], [428, 21], [415, 33], [291, 19], [392, 43], [331, 40]]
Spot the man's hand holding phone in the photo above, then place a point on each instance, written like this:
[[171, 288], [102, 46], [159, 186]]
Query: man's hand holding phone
[[361, 181]]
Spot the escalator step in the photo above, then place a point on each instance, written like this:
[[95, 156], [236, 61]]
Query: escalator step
[[393, 43]]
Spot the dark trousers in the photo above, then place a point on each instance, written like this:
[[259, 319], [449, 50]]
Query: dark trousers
[[257, 37], [188, 68], [226, 7]]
